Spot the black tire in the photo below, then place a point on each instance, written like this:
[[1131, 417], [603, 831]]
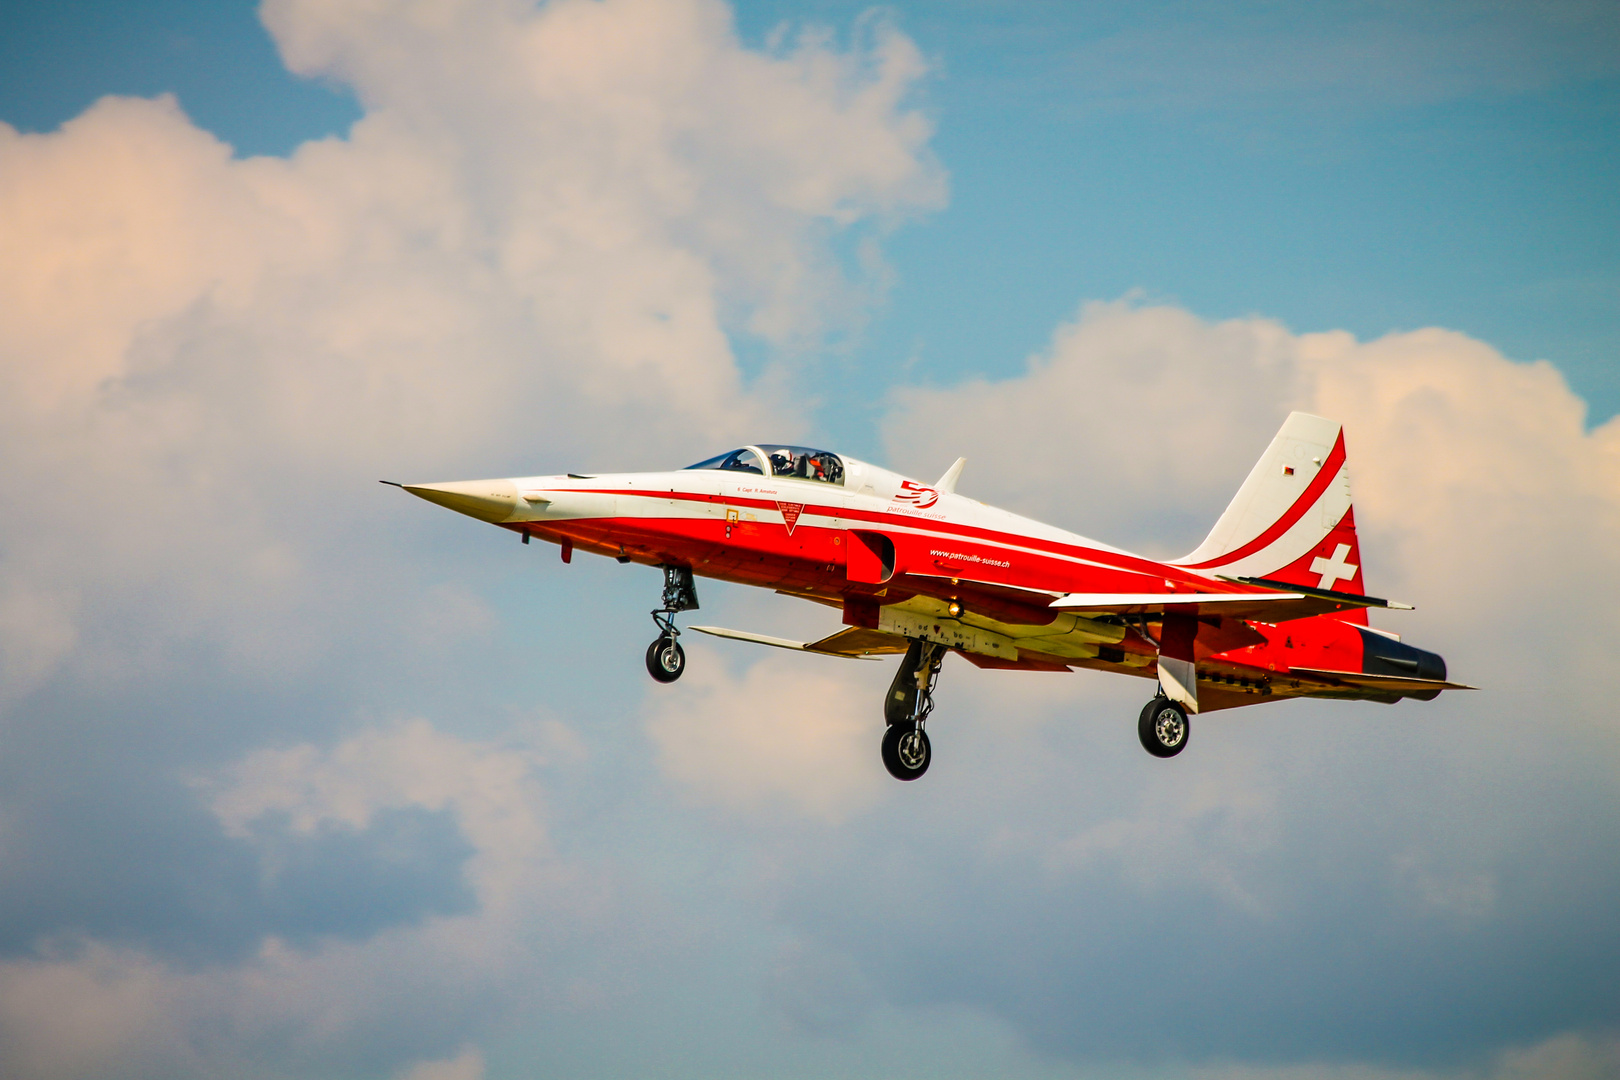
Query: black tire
[[1163, 728], [666, 659], [906, 752]]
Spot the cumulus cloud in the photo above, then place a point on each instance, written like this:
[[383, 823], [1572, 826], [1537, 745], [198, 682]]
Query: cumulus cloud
[[1303, 851], [467, 1065], [490, 793], [1478, 489], [1317, 888], [536, 250], [546, 215], [784, 737], [1205, 835], [404, 990], [533, 251]]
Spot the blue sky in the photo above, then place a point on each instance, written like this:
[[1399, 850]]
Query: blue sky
[[1373, 167], [301, 778]]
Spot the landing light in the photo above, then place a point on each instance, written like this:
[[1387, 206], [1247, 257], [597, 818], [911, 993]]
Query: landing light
[[955, 609]]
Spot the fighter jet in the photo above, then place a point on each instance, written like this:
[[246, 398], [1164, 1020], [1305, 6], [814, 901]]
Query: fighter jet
[[1270, 606]]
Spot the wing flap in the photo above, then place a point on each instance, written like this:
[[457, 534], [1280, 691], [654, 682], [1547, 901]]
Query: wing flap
[[1351, 599], [1025, 661], [858, 641]]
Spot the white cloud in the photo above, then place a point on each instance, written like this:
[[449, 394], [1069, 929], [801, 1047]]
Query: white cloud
[[467, 1065], [1466, 823], [86, 1009], [531, 252], [103, 1013], [1131, 416], [533, 245], [37, 630], [535, 248], [1479, 494], [494, 799], [1564, 1057], [1205, 832], [791, 735]]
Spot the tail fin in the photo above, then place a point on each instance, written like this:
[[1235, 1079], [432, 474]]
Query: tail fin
[[1292, 520]]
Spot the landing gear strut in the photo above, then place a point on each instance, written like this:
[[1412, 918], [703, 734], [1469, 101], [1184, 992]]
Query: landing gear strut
[[906, 752], [1163, 727], [665, 657]]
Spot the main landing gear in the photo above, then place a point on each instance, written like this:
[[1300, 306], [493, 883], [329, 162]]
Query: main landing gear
[[665, 657], [906, 752], [1163, 727]]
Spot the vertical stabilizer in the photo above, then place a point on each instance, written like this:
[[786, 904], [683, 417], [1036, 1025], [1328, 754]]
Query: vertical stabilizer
[[1292, 520]]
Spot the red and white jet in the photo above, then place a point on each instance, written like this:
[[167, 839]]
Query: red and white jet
[[1269, 606]]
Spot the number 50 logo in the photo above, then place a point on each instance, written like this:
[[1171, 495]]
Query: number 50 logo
[[917, 495]]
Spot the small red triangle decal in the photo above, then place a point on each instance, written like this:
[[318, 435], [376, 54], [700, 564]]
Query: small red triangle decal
[[790, 514]]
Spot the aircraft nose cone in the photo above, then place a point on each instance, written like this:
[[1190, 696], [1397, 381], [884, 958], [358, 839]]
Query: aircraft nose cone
[[486, 500]]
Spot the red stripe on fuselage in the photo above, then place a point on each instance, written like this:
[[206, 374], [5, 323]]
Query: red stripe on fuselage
[[811, 562], [1111, 560]]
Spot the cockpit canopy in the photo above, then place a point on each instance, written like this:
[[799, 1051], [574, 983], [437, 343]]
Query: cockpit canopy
[[799, 461]]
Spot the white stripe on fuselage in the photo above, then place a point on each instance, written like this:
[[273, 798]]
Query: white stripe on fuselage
[[649, 496]]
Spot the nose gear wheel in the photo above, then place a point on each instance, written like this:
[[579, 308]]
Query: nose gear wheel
[[665, 659], [906, 752]]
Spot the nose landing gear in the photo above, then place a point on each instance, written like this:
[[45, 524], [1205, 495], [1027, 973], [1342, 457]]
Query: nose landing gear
[[906, 751], [665, 657]]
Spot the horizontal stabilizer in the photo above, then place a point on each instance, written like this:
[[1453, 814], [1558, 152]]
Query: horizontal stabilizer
[[1391, 683], [1351, 599], [822, 646], [1272, 607]]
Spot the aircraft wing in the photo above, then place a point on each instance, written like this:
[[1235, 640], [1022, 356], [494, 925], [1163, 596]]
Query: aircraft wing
[[1006, 603], [855, 643]]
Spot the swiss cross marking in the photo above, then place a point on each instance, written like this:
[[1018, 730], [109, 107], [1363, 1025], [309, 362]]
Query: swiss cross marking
[[790, 514], [1333, 569]]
